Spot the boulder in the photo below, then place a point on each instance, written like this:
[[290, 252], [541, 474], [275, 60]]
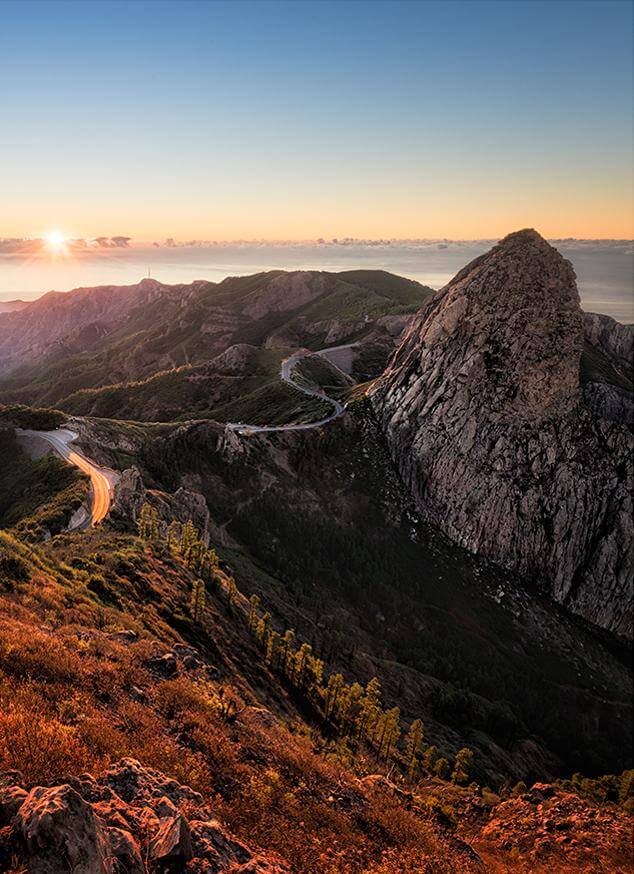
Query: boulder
[[172, 844], [111, 824], [164, 666], [61, 833], [124, 851], [11, 800], [210, 840]]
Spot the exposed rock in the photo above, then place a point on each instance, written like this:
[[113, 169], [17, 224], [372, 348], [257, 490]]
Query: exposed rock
[[11, 799], [182, 505], [164, 665], [124, 851], [611, 337], [562, 829], [235, 358], [171, 845], [610, 402], [62, 833], [71, 319], [482, 410], [129, 495], [130, 780], [288, 291], [110, 824], [126, 635]]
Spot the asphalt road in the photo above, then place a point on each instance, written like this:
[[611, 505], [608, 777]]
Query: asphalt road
[[101, 487], [285, 373]]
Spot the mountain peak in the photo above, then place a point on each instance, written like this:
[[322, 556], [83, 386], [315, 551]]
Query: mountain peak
[[509, 327], [482, 409]]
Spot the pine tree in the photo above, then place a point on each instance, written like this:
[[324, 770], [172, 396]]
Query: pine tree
[[173, 534], [287, 641], [232, 592], [154, 525], [301, 661], [198, 599], [370, 708], [262, 629], [429, 759], [391, 732], [413, 742], [332, 693], [272, 647], [462, 766], [349, 708], [441, 769], [315, 677], [188, 537], [144, 522], [254, 601]]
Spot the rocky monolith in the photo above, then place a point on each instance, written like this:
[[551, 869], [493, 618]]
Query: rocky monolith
[[482, 409]]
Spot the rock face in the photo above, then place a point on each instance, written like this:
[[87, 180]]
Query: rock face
[[182, 505], [607, 368], [482, 409], [111, 825], [611, 337]]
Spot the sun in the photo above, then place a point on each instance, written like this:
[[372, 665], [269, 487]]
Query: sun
[[55, 240]]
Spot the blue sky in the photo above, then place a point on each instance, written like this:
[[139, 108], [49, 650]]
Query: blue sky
[[293, 120]]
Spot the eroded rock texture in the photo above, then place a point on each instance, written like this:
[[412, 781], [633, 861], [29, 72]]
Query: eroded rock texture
[[128, 821], [484, 416]]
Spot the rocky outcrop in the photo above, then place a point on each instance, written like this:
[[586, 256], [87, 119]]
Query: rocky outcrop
[[610, 402], [182, 505], [607, 368], [561, 831], [131, 820], [483, 413], [60, 832], [612, 338], [234, 359]]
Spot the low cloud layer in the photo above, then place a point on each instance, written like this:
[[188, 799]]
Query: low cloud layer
[[29, 246]]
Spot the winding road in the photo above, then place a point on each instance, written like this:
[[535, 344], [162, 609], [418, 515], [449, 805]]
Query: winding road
[[285, 373], [101, 479]]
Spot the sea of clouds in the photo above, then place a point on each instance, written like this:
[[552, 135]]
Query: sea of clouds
[[28, 268]]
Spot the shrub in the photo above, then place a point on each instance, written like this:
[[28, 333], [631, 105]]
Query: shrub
[[34, 741]]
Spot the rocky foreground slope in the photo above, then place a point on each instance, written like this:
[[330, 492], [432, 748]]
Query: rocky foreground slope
[[128, 820], [136, 737], [483, 412]]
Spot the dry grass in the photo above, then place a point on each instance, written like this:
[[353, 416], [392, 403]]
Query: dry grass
[[74, 697]]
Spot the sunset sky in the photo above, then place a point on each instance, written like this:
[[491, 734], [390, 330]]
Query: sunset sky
[[298, 120]]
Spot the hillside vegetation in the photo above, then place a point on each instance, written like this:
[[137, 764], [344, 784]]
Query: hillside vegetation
[[37, 498], [109, 648], [319, 526], [156, 353]]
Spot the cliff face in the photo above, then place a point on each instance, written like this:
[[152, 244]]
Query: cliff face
[[614, 339], [483, 413], [606, 368]]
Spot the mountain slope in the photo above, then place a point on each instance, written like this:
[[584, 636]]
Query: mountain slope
[[136, 736], [319, 525], [113, 336], [483, 412]]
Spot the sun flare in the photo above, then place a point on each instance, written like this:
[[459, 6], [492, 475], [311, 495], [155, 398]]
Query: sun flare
[[55, 240]]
